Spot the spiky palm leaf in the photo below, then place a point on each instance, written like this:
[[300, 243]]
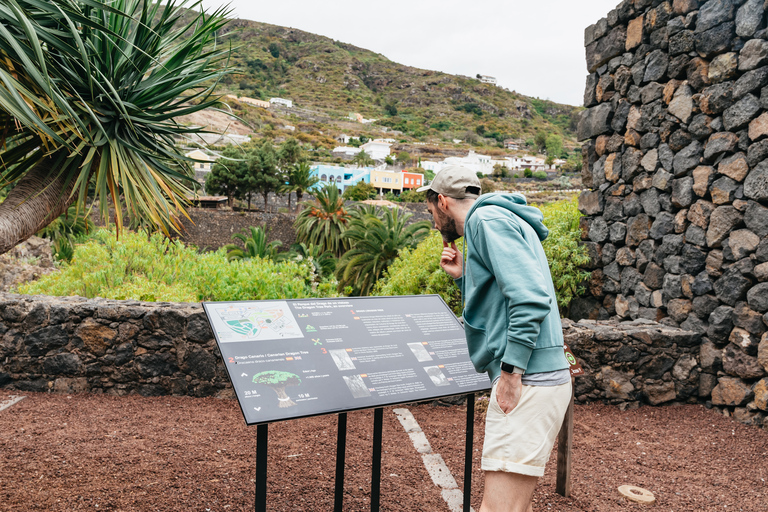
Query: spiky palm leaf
[[88, 95], [376, 241], [322, 221], [256, 246]]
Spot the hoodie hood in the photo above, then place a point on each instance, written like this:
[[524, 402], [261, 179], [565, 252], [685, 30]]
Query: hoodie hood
[[517, 204]]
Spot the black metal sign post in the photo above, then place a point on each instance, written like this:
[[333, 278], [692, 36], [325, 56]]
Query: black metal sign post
[[469, 442], [297, 358], [341, 450], [262, 435]]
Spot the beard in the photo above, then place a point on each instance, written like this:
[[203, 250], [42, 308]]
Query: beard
[[448, 228]]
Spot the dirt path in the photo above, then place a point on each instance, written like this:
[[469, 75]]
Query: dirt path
[[91, 452]]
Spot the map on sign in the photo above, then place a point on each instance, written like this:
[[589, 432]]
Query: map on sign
[[235, 322]]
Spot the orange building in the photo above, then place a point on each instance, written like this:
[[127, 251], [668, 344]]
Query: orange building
[[412, 180]]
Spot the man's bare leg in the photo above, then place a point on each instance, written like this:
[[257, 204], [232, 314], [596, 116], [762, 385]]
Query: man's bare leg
[[508, 492]]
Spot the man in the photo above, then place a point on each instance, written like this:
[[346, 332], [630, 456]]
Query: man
[[512, 326]]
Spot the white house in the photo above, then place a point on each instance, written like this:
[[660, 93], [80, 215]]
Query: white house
[[377, 149], [429, 165], [517, 163], [345, 151], [474, 161], [281, 101], [488, 79]]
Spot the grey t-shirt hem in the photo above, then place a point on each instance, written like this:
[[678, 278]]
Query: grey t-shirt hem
[[555, 378]]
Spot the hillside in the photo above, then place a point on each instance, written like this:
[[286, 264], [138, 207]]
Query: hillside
[[327, 80]]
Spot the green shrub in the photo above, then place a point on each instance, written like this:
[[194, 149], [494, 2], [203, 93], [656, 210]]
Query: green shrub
[[527, 173], [540, 175], [154, 268], [418, 271], [564, 253]]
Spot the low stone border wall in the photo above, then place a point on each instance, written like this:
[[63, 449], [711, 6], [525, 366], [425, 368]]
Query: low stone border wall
[[72, 344]]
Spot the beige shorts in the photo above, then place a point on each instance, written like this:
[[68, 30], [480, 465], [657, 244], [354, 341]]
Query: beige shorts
[[521, 441]]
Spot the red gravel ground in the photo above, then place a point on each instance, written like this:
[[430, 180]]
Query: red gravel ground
[[95, 452]]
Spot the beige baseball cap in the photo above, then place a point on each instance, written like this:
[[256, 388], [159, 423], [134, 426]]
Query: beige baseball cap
[[453, 181]]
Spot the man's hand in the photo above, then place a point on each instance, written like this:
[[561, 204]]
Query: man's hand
[[508, 391], [451, 260]]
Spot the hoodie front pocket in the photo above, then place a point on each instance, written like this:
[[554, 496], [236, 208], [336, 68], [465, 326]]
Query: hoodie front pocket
[[477, 345]]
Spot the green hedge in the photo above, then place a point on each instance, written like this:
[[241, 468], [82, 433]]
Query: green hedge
[[154, 268]]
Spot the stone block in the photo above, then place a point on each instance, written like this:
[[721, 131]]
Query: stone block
[[761, 272], [739, 364], [762, 352], [613, 167], [711, 357], [700, 126], [742, 242], [714, 13], [595, 121], [732, 286], [761, 394], [616, 384], [722, 221], [723, 67], [684, 6], [663, 225], [650, 161], [715, 40], [748, 319], [591, 202], [750, 82], [731, 392], [734, 166], [756, 183], [723, 190], [754, 54], [96, 337], [687, 159], [702, 178], [605, 48], [749, 17], [634, 33], [757, 152], [758, 128], [716, 98], [682, 192], [744, 340], [638, 228], [662, 180], [707, 383], [700, 212], [695, 235], [757, 297], [679, 309], [658, 394], [696, 71], [741, 113]]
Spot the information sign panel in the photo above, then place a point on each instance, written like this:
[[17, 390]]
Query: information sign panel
[[305, 357]]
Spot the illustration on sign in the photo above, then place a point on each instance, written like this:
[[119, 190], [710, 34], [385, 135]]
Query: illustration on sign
[[278, 381], [235, 322]]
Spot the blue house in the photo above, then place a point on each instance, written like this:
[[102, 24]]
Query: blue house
[[343, 177]]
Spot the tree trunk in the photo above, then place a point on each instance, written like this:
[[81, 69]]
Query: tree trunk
[[266, 196], [289, 200], [36, 201], [249, 201]]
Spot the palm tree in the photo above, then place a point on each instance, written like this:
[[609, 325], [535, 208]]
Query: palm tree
[[363, 159], [88, 95], [376, 241], [302, 179], [322, 221], [256, 246]]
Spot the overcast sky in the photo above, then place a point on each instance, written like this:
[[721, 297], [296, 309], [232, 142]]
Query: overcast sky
[[535, 47]]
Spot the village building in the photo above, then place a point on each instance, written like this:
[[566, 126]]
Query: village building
[[387, 181], [343, 177], [250, 101], [281, 101], [412, 180]]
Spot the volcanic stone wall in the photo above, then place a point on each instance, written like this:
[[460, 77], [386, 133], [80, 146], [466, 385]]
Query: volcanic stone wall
[[72, 344], [676, 155]]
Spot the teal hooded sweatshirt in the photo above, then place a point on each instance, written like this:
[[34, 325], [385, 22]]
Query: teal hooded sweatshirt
[[510, 307]]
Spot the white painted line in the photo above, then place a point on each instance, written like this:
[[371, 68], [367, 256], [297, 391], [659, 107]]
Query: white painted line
[[12, 399], [433, 462]]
